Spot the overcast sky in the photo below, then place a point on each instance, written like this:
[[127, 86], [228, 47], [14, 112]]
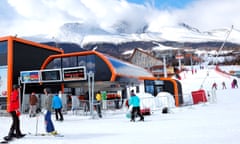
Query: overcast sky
[[32, 17]]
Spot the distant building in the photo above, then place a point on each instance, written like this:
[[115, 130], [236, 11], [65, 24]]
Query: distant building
[[144, 59], [148, 61]]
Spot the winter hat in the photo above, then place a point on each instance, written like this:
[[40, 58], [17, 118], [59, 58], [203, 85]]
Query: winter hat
[[15, 86], [132, 92]]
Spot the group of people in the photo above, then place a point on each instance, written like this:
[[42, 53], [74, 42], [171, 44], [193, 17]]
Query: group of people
[[98, 102], [133, 102], [51, 102], [234, 84], [54, 102]]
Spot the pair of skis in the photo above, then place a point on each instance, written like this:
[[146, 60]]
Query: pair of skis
[[4, 141], [38, 134], [56, 134], [46, 134], [9, 138]]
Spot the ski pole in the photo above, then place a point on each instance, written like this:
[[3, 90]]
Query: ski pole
[[36, 132]]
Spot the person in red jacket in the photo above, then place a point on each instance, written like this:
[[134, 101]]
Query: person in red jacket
[[13, 109]]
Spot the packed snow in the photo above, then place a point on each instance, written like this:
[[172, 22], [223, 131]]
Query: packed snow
[[212, 122]]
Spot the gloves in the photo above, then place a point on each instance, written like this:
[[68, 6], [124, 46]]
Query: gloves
[[18, 113], [44, 111]]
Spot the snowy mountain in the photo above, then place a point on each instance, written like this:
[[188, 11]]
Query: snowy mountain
[[121, 37], [122, 31]]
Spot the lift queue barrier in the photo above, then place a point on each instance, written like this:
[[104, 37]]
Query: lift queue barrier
[[199, 96]]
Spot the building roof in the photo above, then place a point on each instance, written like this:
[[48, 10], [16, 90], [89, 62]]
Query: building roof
[[144, 59], [117, 67]]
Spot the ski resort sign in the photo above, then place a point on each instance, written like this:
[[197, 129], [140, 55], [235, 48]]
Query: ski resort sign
[[54, 75], [74, 73]]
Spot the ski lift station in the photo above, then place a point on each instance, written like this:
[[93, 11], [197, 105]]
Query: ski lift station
[[35, 66]]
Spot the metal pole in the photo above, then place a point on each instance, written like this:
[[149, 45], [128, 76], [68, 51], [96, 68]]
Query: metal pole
[[191, 62], [23, 99], [179, 60], [220, 49], [91, 90], [164, 66], [179, 63], [89, 93]]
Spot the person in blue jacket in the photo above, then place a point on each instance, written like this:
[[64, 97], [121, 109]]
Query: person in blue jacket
[[57, 106], [135, 103]]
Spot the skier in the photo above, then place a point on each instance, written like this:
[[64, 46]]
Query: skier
[[224, 85], [135, 102], [214, 86], [13, 109], [47, 111], [235, 84]]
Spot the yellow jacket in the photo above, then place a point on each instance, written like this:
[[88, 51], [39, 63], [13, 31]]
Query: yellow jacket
[[98, 97]]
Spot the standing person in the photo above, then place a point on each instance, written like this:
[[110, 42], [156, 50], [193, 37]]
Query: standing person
[[47, 112], [214, 86], [33, 104], [98, 105], [75, 103], [135, 103], [224, 85], [57, 106], [104, 99], [86, 102], [235, 83], [116, 101], [13, 109]]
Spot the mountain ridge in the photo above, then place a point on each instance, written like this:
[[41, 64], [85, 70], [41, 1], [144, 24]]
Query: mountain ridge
[[82, 36]]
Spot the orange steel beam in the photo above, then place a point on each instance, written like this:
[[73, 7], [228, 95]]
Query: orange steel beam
[[10, 68], [31, 43], [10, 40], [175, 88]]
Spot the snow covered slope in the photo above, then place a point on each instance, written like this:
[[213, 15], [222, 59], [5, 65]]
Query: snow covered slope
[[215, 123]]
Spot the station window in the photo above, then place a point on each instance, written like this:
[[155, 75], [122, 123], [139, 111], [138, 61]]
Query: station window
[[56, 63], [3, 53], [137, 89], [81, 60], [69, 62], [149, 86], [91, 63]]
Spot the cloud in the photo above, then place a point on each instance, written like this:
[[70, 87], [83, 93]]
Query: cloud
[[28, 17], [211, 14]]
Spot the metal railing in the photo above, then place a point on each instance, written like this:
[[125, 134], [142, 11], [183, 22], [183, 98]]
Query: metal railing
[[83, 108]]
